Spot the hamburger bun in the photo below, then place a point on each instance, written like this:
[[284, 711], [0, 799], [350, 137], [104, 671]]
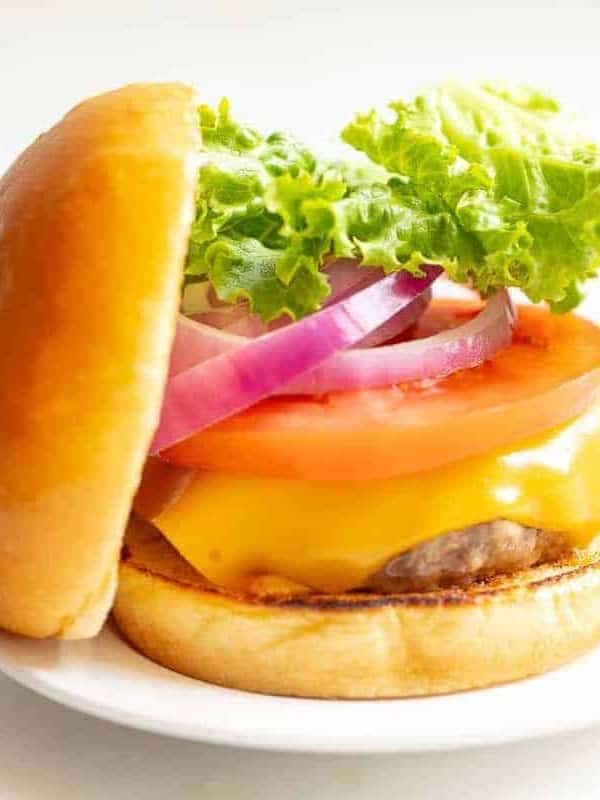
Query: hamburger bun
[[354, 645], [94, 221]]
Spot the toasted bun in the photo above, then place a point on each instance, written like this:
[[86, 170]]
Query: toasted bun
[[354, 645], [94, 221]]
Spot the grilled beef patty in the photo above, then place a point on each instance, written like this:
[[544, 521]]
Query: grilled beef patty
[[462, 557]]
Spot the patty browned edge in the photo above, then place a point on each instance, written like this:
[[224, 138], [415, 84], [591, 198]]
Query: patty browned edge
[[186, 577]]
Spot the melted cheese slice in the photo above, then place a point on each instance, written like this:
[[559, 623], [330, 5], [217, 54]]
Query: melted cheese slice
[[333, 535]]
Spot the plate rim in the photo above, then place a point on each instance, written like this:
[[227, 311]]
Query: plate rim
[[281, 739]]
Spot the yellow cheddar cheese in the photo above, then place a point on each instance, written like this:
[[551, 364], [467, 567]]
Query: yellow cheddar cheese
[[333, 535]]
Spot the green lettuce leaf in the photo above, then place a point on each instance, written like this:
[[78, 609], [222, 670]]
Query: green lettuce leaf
[[515, 175], [495, 184], [251, 237]]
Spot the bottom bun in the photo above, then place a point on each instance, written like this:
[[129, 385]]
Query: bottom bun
[[354, 645]]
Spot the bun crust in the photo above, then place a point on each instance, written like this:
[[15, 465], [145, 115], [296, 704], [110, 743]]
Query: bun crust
[[354, 645], [94, 221]]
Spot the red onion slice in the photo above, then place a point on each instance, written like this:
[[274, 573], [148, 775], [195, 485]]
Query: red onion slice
[[460, 348], [240, 324], [346, 277], [398, 323], [432, 358], [237, 379], [197, 341]]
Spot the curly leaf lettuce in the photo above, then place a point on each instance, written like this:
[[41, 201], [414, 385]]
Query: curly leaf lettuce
[[496, 185], [513, 173]]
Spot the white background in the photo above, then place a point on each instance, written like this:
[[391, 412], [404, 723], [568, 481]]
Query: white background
[[305, 66], [302, 64]]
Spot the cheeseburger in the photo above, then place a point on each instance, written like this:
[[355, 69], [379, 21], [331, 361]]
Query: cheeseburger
[[315, 426]]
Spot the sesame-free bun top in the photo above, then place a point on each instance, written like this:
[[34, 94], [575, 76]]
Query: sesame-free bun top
[[94, 223]]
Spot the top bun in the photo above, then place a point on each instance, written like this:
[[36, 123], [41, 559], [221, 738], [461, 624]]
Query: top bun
[[94, 224]]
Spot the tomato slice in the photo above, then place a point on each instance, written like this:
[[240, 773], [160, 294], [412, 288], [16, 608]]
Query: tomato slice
[[548, 375]]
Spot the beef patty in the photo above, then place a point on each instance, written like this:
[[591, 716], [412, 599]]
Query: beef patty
[[461, 557]]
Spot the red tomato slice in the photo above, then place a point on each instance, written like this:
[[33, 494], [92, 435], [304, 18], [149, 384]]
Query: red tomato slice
[[549, 374]]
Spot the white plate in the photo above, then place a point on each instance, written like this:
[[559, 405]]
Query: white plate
[[106, 678]]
